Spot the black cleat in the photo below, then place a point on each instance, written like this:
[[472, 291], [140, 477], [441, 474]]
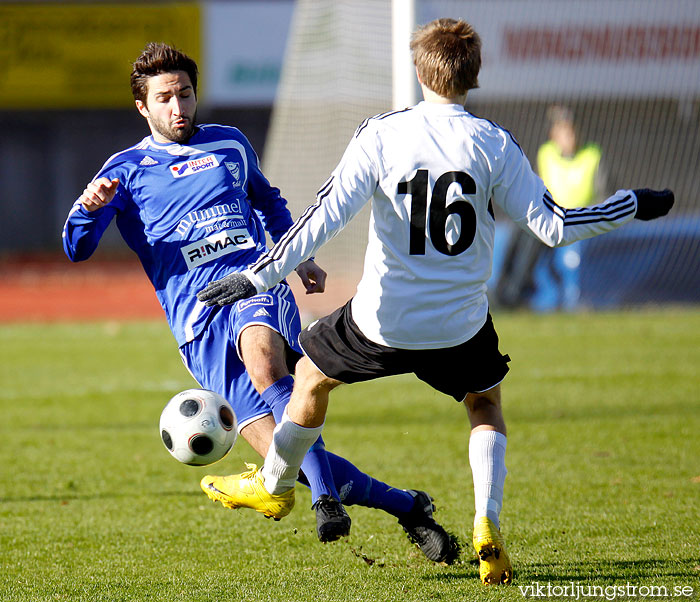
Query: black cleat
[[332, 522], [421, 528]]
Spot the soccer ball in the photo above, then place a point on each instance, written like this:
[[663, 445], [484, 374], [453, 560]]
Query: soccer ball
[[198, 427]]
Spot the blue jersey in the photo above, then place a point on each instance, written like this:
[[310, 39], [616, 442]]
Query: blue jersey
[[192, 213]]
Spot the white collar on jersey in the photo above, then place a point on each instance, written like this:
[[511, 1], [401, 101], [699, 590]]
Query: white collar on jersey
[[172, 148], [440, 109]]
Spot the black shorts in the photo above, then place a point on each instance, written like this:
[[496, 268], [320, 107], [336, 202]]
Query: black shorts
[[339, 350]]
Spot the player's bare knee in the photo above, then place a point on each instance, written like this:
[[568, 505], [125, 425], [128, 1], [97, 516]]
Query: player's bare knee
[[310, 378], [266, 373], [478, 403], [263, 354], [265, 367], [486, 402], [485, 410]]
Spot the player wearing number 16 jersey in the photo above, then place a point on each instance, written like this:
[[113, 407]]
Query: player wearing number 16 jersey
[[433, 173]]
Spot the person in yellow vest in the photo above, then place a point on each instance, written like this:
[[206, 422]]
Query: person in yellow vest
[[575, 178], [570, 172], [531, 274]]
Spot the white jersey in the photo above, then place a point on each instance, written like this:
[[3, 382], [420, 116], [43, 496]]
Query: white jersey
[[432, 171]]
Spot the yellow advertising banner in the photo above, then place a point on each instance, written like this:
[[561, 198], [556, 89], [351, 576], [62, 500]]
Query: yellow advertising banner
[[79, 55]]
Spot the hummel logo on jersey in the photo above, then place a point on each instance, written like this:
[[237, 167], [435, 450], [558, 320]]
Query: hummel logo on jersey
[[194, 166], [262, 312], [148, 161]]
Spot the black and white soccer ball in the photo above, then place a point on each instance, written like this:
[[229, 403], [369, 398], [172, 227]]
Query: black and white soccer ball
[[198, 427]]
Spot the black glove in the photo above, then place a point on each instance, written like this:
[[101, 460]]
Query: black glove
[[653, 203], [226, 291]]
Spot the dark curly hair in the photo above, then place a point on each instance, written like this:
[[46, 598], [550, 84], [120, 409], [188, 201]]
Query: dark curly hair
[[158, 58]]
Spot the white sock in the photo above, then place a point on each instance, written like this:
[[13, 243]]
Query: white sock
[[290, 442], [487, 458]]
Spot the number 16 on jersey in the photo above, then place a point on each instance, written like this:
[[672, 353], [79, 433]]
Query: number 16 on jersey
[[440, 212]]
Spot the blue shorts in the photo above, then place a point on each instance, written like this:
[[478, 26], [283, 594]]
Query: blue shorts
[[214, 360]]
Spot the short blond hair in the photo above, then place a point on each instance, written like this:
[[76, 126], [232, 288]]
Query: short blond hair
[[447, 54]]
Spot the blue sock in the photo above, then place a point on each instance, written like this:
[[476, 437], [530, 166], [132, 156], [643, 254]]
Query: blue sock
[[277, 396], [315, 466], [358, 488]]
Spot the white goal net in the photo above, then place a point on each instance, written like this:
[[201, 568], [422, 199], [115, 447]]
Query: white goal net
[[337, 72], [628, 70]]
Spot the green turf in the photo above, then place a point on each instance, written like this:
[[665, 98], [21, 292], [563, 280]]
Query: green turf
[[603, 486]]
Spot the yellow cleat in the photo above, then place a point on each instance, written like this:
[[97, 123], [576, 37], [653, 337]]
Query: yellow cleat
[[247, 490], [494, 564]]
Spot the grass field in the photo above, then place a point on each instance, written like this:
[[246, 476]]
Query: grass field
[[603, 486]]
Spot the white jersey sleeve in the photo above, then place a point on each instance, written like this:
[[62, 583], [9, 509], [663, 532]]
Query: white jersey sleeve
[[432, 172], [524, 197], [343, 196]]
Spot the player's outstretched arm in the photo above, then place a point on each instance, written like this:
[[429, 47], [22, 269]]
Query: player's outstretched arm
[[228, 290], [653, 203]]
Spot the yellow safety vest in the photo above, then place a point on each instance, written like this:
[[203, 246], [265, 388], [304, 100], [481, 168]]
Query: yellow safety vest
[[571, 180]]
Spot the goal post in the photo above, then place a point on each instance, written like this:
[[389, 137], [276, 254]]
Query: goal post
[[404, 83]]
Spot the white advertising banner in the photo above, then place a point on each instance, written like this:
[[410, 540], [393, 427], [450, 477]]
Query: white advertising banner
[[541, 48], [531, 48], [244, 44]]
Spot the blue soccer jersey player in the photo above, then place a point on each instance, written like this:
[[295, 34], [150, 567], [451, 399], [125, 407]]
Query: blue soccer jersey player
[[191, 202]]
